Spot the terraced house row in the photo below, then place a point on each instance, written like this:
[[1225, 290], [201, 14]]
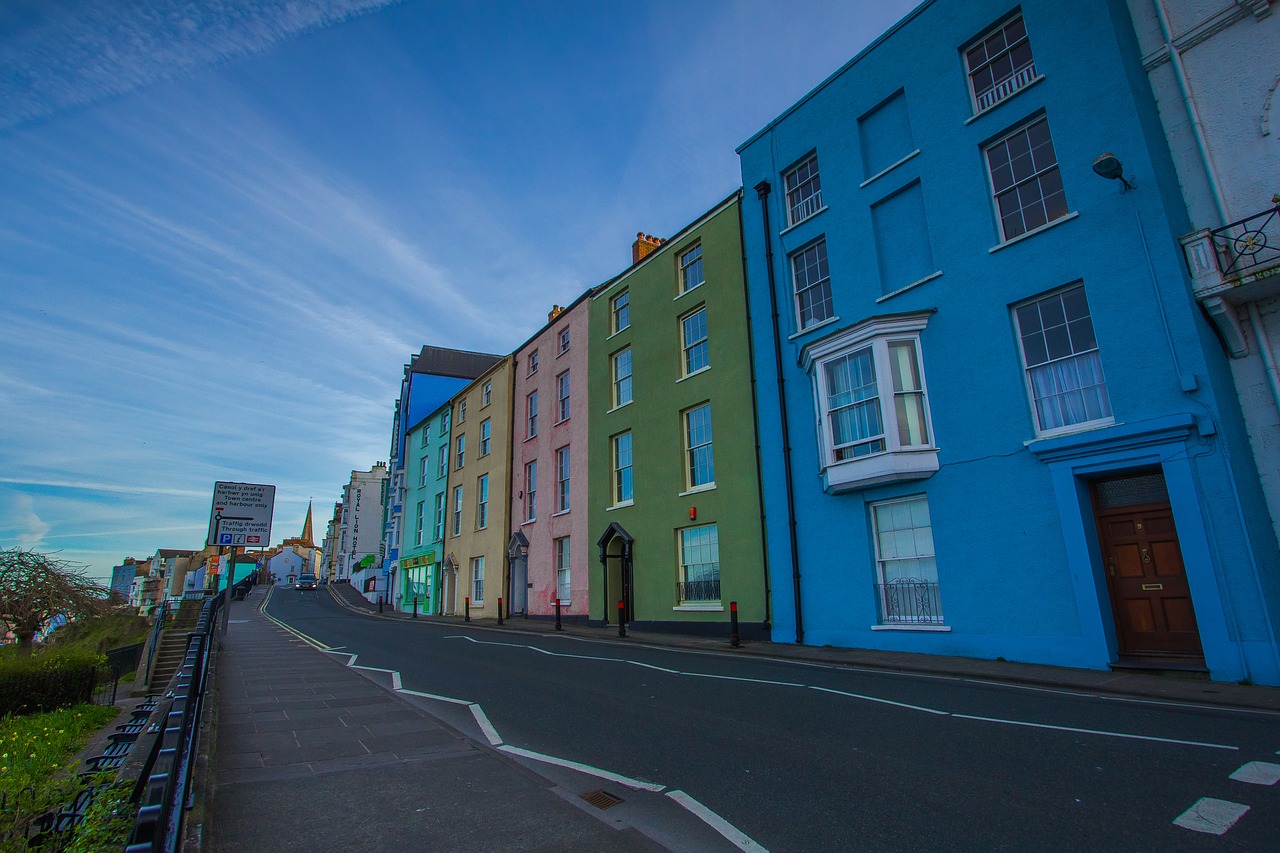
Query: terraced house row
[[979, 363]]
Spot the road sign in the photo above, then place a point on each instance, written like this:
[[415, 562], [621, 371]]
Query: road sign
[[241, 514]]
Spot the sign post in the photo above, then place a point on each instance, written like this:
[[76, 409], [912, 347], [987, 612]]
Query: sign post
[[239, 517]]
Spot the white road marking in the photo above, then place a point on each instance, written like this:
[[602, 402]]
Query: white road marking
[[1257, 773], [435, 696], [1095, 732], [634, 784], [1212, 816], [735, 836], [485, 726], [883, 701]]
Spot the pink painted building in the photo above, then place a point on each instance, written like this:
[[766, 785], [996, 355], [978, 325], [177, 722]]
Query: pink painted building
[[548, 549]]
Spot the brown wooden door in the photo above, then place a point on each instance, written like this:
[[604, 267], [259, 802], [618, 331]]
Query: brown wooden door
[[1150, 596]]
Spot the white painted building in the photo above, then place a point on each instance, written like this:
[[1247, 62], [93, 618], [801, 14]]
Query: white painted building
[[360, 528], [1214, 66]]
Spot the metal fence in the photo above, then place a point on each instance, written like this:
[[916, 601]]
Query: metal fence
[[703, 590], [106, 678], [1251, 242], [910, 601]]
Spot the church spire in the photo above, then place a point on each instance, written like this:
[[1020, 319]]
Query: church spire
[[306, 529]]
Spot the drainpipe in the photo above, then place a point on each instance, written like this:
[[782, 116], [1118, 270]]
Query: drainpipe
[[755, 424], [762, 191], [1193, 114]]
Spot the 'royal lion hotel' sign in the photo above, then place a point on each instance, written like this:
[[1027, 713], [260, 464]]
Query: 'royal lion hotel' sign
[[414, 562]]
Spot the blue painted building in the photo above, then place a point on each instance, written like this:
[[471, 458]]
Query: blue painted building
[[995, 422], [430, 379]]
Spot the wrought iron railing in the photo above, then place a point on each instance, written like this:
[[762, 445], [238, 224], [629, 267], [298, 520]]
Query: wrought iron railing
[[910, 601], [1251, 242], [699, 591]]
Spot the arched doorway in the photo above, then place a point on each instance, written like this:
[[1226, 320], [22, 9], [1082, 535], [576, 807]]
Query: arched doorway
[[449, 587], [518, 559], [617, 548]]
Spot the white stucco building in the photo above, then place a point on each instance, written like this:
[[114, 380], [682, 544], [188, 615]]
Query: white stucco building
[[1214, 66], [360, 528]]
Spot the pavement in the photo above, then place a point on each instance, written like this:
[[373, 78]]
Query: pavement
[[310, 755], [299, 739]]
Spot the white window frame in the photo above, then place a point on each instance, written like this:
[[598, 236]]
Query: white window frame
[[621, 382], [897, 461], [426, 433], [620, 312], [482, 502], [802, 193], [438, 531], [684, 566], [486, 394], [691, 450], [563, 465], [477, 580], [823, 284], [687, 346], [887, 542], [462, 411], [562, 549], [562, 397], [531, 491], [1006, 88], [457, 510], [460, 454], [688, 259], [629, 468], [422, 471], [422, 518], [531, 414], [1036, 419], [442, 462], [486, 436], [533, 363], [564, 341], [1038, 177]]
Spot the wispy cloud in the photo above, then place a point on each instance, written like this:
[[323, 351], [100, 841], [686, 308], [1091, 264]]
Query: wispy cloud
[[29, 529], [110, 488], [62, 56]]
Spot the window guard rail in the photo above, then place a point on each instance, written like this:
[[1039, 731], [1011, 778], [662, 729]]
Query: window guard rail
[[910, 601], [1250, 242], [698, 591]]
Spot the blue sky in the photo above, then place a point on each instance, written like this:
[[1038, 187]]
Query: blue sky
[[225, 225]]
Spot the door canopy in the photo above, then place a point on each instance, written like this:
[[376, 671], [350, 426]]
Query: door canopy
[[616, 531]]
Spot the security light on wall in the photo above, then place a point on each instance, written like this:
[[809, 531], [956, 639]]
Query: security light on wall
[[1108, 165]]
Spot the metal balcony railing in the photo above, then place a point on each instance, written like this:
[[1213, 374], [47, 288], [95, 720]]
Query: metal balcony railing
[[910, 601], [1249, 243], [699, 591]]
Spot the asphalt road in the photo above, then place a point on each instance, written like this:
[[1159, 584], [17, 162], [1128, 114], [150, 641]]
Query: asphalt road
[[816, 757]]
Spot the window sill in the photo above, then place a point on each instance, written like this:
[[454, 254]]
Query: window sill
[[1066, 217], [889, 467], [795, 225], [708, 607], [1087, 426], [697, 372], [616, 408], [710, 487], [678, 297], [622, 505], [528, 438], [562, 352], [528, 521], [1006, 99], [887, 169], [924, 629], [812, 328], [560, 513], [613, 335], [930, 277]]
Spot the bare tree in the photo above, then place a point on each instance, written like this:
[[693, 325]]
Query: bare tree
[[34, 588]]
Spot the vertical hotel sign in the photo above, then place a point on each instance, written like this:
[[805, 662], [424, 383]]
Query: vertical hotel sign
[[241, 515]]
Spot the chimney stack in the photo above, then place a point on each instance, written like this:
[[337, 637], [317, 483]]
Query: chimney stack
[[555, 312], [644, 245]]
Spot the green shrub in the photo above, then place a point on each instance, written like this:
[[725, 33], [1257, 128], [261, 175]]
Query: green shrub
[[34, 683], [99, 633]]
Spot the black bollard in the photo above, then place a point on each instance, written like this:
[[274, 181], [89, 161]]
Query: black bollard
[[734, 640], [415, 607], [379, 604], [467, 613], [499, 611], [559, 627], [622, 624]]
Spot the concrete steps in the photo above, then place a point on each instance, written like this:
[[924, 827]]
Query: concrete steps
[[173, 643]]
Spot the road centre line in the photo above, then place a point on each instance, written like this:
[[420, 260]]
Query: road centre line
[[634, 784], [735, 836], [861, 696], [1095, 732]]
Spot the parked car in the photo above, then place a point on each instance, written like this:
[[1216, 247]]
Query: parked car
[[306, 582]]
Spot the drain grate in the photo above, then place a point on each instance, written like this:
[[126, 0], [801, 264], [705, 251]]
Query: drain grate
[[602, 799]]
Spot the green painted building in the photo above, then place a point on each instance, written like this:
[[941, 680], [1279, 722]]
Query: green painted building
[[673, 483], [426, 482]]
